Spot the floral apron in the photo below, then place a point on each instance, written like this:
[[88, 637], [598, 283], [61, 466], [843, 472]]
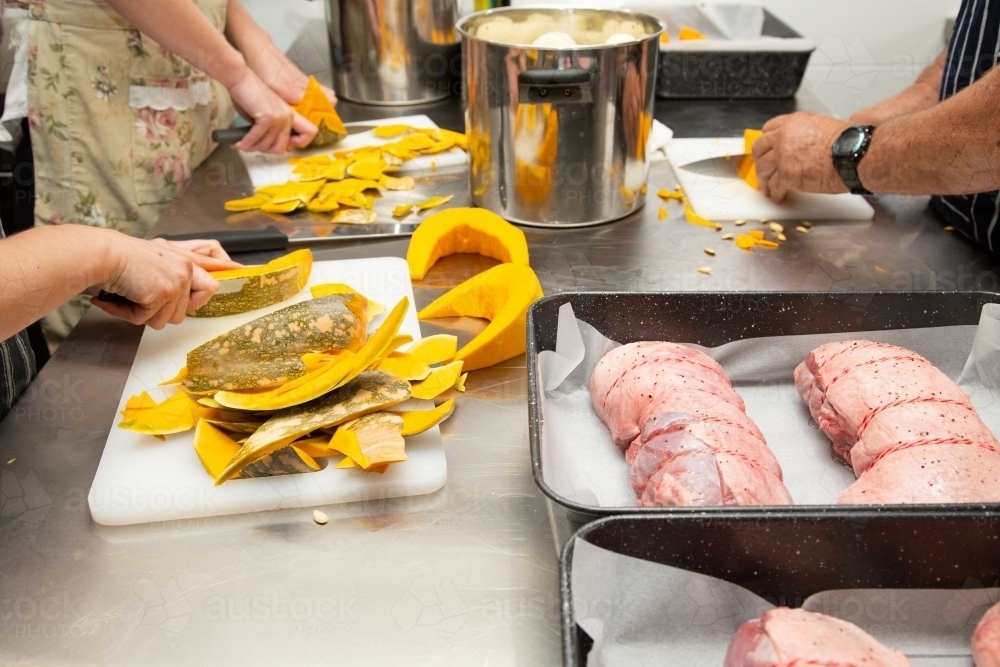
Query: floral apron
[[117, 122]]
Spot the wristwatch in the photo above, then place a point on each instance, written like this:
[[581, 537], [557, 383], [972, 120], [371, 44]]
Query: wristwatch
[[848, 150]]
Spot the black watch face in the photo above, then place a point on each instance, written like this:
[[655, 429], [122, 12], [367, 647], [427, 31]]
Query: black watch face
[[850, 142]]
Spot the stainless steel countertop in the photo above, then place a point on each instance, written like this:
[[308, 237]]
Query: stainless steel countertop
[[464, 576]]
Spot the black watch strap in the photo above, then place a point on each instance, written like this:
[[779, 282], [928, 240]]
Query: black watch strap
[[848, 150]]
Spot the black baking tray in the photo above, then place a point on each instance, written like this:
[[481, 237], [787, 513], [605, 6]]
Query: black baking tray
[[716, 318], [734, 74], [791, 558]]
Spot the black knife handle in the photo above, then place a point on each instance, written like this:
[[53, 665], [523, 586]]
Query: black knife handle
[[239, 240], [230, 135], [104, 295]]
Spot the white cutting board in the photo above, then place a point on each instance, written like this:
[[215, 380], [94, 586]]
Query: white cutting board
[[265, 169], [142, 479], [720, 198]]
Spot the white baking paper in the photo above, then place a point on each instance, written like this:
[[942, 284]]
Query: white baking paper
[[581, 462], [642, 613]]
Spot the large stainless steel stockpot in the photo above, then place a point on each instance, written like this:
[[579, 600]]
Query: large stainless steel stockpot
[[394, 52], [557, 136]]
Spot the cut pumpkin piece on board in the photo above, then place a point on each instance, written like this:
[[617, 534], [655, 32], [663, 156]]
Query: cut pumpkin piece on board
[[418, 421], [355, 216], [251, 203], [400, 184], [253, 287], [747, 167], [328, 377], [404, 366], [434, 349], [440, 380], [391, 131], [502, 295], [369, 392], [464, 230], [176, 414], [372, 440], [267, 351], [372, 308], [696, 219], [214, 448], [402, 210], [460, 382], [177, 379], [372, 170], [399, 341], [317, 108], [289, 460], [283, 207]]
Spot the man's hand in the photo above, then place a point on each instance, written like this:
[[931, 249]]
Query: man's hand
[[795, 153], [163, 279]]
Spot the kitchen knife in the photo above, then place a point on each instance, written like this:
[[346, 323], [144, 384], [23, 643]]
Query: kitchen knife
[[725, 166], [234, 134], [271, 238]]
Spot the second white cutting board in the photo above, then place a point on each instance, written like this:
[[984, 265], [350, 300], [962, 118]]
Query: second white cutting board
[[721, 198], [141, 479]]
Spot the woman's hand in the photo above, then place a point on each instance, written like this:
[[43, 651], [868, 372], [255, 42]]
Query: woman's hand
[[276, 126], [164, 280]]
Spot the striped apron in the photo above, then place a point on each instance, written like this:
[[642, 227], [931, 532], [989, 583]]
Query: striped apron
[[974, 50], [17, 366]]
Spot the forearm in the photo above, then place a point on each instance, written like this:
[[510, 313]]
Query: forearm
[[180, 27], [45, 267], [262, 55], [923, 94], [952, 148]]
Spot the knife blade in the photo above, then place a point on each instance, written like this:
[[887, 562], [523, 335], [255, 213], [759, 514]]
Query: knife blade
[[234, 134], [725, 166], [271, 238]]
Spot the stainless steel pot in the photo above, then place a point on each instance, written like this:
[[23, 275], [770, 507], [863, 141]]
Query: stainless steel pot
[[557, 136], [394, 52]]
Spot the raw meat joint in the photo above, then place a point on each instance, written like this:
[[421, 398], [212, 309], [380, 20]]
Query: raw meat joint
[[909, 432], [986, 639], [684, 431], [786, 637]]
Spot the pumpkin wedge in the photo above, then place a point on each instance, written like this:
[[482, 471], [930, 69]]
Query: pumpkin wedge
[[373, 308], [372, 440], [418, 421], [328, 376], [502, 295], [439, 381], [214, 448], [267, 351], [464, 230], [368, 393], [253, 287], [316, 107]]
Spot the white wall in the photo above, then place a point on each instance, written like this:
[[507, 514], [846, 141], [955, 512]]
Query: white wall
[[866, 50]]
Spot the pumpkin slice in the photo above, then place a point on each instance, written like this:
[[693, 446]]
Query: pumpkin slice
[[316, 107], [267, 351], [251, 203], [318, 448], [243, 290], [404, 366], [688, 33], [369, 392], [356, 216], [433, 202], [284, 207], [327, 377], [367, 169], [176, 414], [245, 427], [402, 210], [696, 219], [439, 381], [502, 295], [214, 448], [372, 440], [399, 341], [289, 460], [400, 184], [418, 421], [460, 382], [747, 167], [464, 230], [415, 141], [372, 308], [434, 349], [391, 131]]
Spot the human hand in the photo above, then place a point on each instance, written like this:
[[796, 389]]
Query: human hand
[[795, 153], [277, 127], [162, 279]]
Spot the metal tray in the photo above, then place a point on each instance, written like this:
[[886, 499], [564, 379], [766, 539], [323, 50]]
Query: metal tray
[[716, 318], [734, 74], [954, 549]]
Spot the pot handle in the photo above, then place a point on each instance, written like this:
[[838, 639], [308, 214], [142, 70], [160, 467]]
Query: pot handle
[[554, 86]]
